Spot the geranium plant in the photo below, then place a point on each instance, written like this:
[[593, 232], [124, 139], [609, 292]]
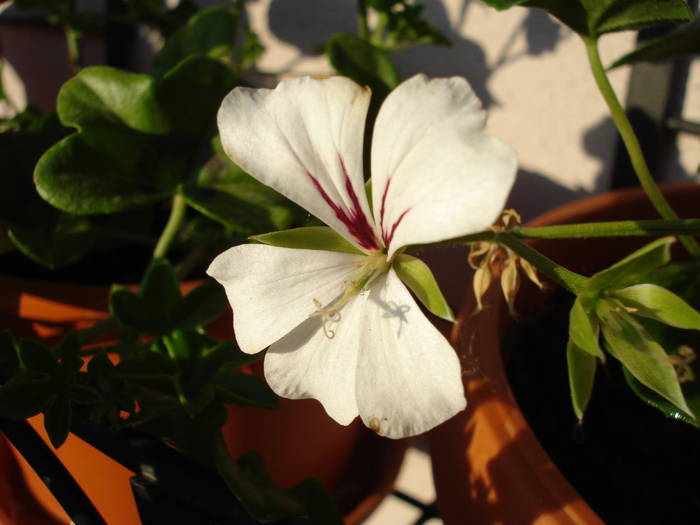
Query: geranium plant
[[138, 169]]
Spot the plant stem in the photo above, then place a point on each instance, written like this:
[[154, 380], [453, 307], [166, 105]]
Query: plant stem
[[362, 27], [580, 231], [611, 229], [631, 143], [572, 281], [72, 38], [177, 215]]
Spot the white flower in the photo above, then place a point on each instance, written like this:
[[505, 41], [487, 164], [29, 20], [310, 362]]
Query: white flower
[[342, 327]]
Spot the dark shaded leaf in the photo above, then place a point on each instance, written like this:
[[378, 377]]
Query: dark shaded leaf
[[57, 420], [682, 42], [239, 388], [366, 64], [210, 32]]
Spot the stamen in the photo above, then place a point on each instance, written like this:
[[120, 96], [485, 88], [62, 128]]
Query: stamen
[[328, 315]]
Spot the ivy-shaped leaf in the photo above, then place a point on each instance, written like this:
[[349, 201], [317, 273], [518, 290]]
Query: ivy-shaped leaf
[[592, 18]]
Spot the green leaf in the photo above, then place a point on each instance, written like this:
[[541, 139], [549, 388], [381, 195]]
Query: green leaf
[[40, 231], [646, 360], [8, 353], [35, 357], [581, 366], [405, 25], [666, 407], [418, 277], [363, 62], [682, 42], [57, 420], [210, 32], [191, 93], [631, 268], [583, 331], [137, 137], [202, 305], [83, 395], [239, 388], [237, 214], [250, 482], [108, 170], [594, 17], [24, 396], [656, 302], [103, 96], [308, 238], [60, 240], [157, 307], [252, 207]]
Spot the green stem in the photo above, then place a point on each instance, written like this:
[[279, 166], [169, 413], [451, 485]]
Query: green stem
[[611, 229], [72, 38], [362, 27], [583, 230], [631, 143], [572, 281], [177, 215]]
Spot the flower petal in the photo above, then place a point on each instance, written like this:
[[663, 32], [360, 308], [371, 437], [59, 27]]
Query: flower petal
[[435, 174], [304, 139], [306, 363], [408, 375], [272, 290]]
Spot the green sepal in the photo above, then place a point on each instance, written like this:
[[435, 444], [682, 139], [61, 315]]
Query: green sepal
[[631, 268], [308, 238], [645, 359], [583, 331], [683, 41], [581, 366], [365, 63], [418, 277], [656, 302]]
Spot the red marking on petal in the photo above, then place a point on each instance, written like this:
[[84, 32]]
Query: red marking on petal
[[354, 219], [388, 236]]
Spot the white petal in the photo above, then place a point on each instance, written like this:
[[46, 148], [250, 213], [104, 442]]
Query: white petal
[[307, 364], [272, 290], [408, 375], [304, 139], [435, 175]]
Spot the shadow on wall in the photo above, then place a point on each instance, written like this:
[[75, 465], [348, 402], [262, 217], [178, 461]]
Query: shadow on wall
[[307, 24]]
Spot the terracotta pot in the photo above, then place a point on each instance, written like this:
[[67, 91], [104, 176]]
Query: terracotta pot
[[297, 441], [487, 463]]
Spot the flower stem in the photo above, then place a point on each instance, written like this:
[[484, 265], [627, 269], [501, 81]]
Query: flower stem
[[631, 143], [581, 231], [177, 215], [572, 281], [362, 27], [611, 229]]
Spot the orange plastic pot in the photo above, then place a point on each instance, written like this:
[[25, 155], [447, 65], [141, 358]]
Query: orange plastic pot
[[296, 442], [487, 463]]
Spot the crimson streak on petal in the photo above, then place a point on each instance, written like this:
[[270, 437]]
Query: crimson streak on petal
[[387, 235], [354, 219]]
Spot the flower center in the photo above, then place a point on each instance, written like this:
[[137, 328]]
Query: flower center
[[374, 266]]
